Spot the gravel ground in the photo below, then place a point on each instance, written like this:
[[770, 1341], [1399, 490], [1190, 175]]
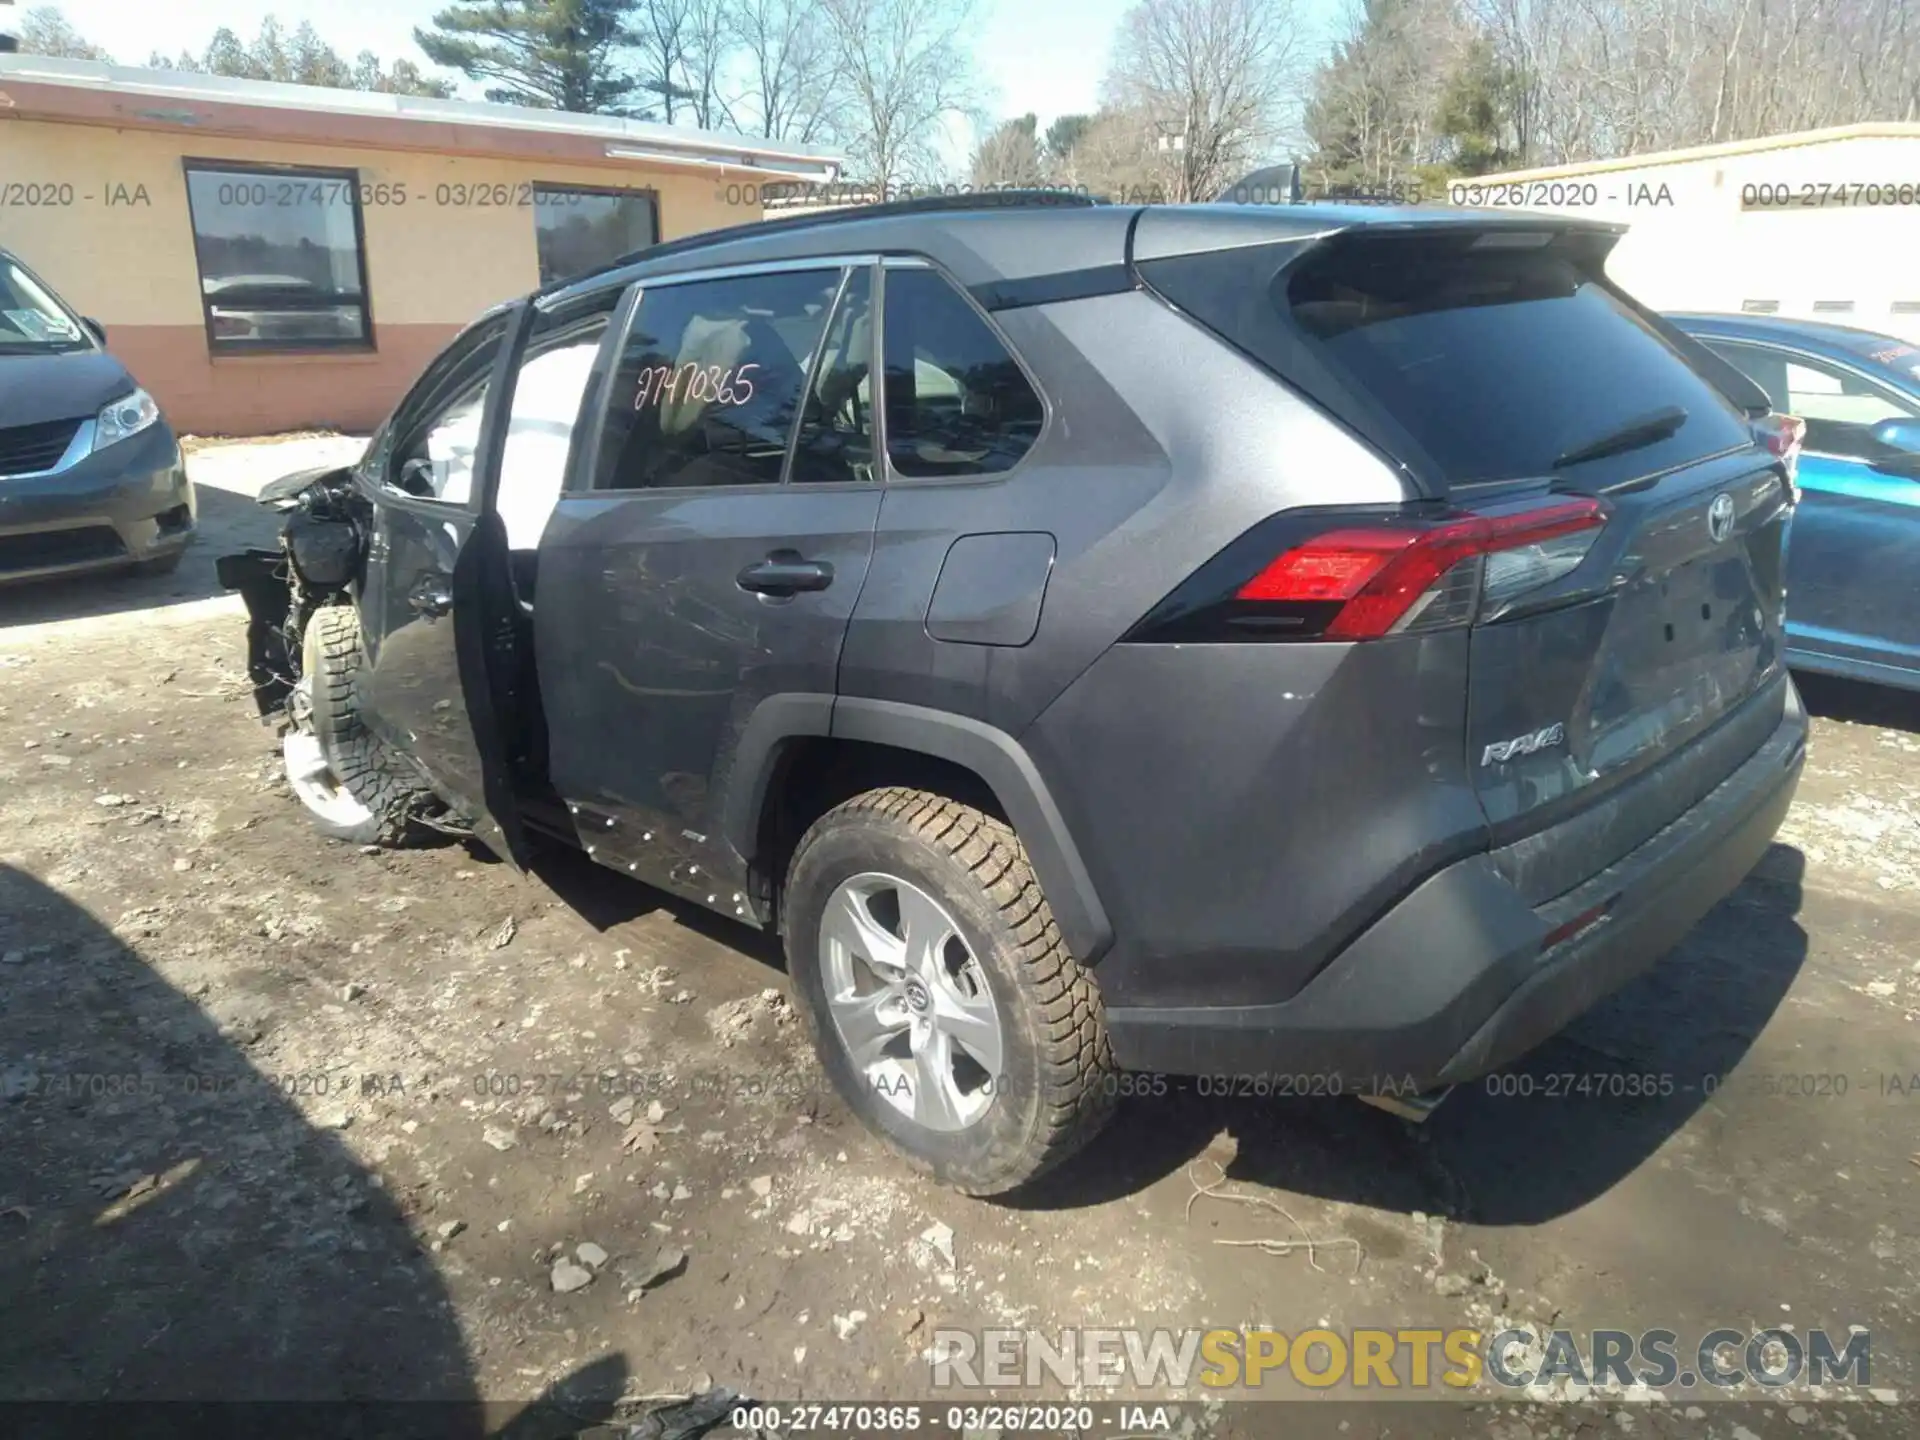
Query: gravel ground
[[282, 1119]]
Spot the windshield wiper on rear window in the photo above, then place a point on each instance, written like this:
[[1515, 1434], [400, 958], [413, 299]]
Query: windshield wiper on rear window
[[1638, 432]]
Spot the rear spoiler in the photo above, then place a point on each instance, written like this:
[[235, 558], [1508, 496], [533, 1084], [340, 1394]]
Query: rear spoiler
[[1165, 232]]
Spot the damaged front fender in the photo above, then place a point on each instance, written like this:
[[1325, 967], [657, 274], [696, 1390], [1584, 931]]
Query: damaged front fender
[[322, 550]]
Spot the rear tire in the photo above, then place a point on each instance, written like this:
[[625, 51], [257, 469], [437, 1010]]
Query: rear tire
[[353, 786], [875, 878]]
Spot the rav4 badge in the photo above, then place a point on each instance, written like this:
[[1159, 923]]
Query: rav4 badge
[[1523, 744]]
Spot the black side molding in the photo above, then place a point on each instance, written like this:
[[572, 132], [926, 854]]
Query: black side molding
[[776, 719], [1049, 289]]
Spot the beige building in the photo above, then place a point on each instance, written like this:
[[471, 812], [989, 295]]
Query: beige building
[[1823, 224], [267, 257]]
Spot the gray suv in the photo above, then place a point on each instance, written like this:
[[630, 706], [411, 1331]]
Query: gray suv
[[1327, 648]]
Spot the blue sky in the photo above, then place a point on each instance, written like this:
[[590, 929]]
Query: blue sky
[[1046, 56]]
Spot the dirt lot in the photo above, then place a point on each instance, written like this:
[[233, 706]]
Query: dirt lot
[[280, 1119]]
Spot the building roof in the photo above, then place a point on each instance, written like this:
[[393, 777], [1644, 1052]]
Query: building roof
[[36, 87], [1868, 130]]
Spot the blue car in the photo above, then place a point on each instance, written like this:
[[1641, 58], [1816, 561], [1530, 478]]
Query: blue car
[[1853, 555]]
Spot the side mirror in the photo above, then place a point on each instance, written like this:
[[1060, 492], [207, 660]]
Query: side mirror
[[1899, 435], [416, 478], [95, 328], [1901, 440]]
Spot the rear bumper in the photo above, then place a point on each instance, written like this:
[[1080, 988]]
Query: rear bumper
[[1454, 981], [118, 506]]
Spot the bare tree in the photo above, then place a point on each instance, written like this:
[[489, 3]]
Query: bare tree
[[1376, 111], [792, 73], [45, 31], [710, 52], [1215, 78], [906, 72], [1591, 78], [663, 34], [305, 59]]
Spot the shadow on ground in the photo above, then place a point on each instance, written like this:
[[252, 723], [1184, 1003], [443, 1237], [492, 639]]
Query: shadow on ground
[[606, 898], [1487, 1156], [227, 523], [1500, 1151], [173, 1229], [1832, 698]]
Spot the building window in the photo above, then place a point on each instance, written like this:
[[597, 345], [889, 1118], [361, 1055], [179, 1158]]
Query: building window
[[581, 230], [282, 258]]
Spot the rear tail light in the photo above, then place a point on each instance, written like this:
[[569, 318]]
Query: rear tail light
[[1363, 582], [1782, 434]]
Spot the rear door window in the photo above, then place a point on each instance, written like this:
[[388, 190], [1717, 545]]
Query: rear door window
[[1473, 364], [710, 380]]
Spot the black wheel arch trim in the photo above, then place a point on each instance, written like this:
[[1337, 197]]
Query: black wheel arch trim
[[774, 721], [996, 757]]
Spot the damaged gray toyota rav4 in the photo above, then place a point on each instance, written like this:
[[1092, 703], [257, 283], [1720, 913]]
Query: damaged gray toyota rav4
[[1301, 642]]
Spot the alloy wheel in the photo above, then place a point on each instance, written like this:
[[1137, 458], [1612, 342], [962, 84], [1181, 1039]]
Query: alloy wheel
[[909, 1001], [309, 772]]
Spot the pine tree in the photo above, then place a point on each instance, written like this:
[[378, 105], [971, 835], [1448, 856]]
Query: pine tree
[[550, 54]]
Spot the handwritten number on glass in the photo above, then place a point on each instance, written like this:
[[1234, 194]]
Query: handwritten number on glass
[[718, 384]]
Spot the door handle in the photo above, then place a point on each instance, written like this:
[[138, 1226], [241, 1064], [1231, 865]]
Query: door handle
[[784, 572], [432, 596]]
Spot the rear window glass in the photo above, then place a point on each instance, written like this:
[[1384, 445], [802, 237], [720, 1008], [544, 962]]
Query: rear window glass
[[1488, 365]]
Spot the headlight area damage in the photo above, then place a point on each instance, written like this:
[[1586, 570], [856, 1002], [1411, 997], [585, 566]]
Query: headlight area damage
[[304, 655]]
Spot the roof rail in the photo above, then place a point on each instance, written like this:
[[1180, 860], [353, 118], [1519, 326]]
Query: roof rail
[[918, 205]]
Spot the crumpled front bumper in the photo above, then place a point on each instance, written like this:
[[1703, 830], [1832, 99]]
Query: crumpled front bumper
[[262, 579]]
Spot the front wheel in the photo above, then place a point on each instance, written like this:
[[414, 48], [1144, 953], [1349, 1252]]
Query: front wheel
[[352, 786], [938, 992]]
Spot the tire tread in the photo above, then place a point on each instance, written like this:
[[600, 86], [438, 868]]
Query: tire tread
[[364, 763], [1076, 1059]]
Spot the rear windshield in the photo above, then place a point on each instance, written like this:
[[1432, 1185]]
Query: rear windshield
[[1471, 365]]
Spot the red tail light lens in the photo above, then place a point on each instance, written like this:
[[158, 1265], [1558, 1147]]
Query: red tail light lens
[[1397, 578]]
